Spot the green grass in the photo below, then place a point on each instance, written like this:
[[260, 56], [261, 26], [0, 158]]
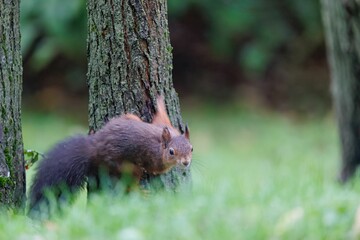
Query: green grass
[[256, 175]]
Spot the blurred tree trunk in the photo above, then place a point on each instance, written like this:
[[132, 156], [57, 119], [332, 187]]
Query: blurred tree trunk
[[342, 27], [129, 63], [12, 172]]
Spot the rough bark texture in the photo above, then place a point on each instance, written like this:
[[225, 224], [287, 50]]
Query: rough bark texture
[[12, 172], [342, 27], [130, 62]]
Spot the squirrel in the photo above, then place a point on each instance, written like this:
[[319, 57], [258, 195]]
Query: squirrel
[[125, 143]]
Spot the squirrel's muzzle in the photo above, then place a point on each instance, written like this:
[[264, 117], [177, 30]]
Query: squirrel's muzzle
[[185, 163]]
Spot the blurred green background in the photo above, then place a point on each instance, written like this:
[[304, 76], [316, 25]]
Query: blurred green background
[[270, 53], [253, 82]]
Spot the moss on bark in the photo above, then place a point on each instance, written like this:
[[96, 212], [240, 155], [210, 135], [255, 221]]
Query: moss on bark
[[130, 63], [12, 172]]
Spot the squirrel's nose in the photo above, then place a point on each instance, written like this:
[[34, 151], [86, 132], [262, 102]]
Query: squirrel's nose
[[186, 163]]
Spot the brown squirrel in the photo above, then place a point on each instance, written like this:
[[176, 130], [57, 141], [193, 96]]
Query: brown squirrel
[[124, 144]]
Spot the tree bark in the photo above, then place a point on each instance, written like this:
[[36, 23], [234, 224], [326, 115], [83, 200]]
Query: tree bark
[[130, 63], [12, 171], [342, 28]]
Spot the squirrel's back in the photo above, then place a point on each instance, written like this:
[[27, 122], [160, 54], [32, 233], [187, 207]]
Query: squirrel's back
[[128, 140]]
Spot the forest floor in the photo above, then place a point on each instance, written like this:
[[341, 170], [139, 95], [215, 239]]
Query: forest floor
[[256, 175]]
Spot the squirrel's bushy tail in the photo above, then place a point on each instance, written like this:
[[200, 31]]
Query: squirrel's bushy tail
[[161, 117], [62, 171]]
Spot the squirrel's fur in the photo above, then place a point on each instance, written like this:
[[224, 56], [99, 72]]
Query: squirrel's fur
[[124, 143]]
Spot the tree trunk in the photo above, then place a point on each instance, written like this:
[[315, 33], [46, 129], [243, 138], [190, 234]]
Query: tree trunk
[[130, 62], [342, 27], [12, 172]]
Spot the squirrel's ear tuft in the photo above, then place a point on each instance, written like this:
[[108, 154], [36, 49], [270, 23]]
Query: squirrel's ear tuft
[[166, 137], [187, 132]]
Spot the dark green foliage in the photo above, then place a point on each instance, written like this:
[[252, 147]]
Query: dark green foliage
[[251, 31], [31, 157], [254, 30], [50, 27]]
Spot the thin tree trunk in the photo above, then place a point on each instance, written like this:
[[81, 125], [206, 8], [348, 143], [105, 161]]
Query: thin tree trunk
[[130, 62], [342, 27], [12, 172]]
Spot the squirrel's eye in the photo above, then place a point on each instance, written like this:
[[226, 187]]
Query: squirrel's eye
[[171, 151], [192, 149]]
